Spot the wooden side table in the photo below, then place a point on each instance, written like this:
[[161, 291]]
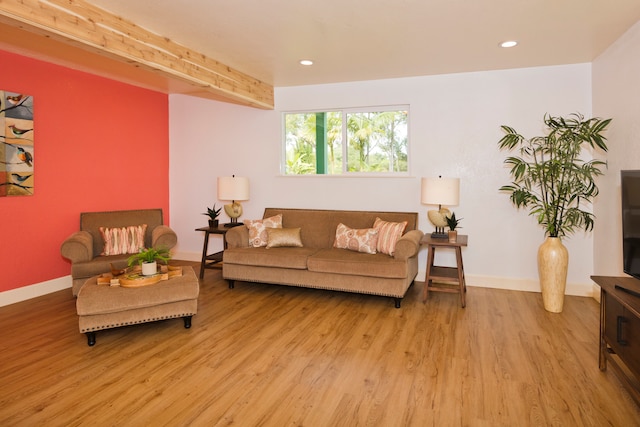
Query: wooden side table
[[212, 260], [449, 279]]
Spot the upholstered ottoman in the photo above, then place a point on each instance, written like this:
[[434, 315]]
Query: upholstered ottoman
[[103, 306]]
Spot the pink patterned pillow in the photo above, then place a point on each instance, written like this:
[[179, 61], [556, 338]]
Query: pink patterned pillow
[[361, 240], [258, 229], [388, 235], [123, 240]]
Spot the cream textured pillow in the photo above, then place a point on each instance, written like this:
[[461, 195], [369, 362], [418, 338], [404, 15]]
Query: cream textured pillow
[[361, 240], [258, 229], [283, 237], [388, 235], [123, 240]]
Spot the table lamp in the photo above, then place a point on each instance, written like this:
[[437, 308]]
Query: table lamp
[[440, 191], [236, 189]]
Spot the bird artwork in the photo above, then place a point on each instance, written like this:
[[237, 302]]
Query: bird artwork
[[19, 105], [14, 99], [17, 131], [25, 156], [21, 178], [17, 144]]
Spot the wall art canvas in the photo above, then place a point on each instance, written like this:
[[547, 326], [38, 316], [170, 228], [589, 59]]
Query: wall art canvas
[[16, 144]]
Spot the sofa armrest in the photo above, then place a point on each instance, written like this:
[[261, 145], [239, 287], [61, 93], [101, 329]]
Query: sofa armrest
[[408, 245], [163, 237], [237, 237], [78, 247]]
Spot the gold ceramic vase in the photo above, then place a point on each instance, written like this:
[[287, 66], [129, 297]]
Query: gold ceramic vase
[[553, 262]]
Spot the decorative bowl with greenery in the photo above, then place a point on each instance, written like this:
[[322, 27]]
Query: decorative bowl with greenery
[[549, 176], [150, 255]]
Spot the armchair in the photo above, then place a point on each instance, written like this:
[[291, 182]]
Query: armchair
[[84, 248]]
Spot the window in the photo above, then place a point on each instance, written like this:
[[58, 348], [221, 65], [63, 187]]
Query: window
[[376, 142]]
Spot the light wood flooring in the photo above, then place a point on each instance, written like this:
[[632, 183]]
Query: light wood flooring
[[265, 355]]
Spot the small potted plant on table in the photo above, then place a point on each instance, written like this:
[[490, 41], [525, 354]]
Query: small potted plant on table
[[453, 223], [213, 215], [147, 258]]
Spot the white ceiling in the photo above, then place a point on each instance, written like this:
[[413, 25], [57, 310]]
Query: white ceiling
[[352, 40]]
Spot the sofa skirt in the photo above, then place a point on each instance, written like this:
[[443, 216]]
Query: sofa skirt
[[390, 287]]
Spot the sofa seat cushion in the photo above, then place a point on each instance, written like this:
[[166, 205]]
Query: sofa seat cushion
[[99, 265], [287, 257], [343, 261]]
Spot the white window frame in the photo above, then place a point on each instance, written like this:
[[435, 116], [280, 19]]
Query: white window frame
[[345, 112]]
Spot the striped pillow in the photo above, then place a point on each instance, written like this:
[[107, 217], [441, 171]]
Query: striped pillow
[[388, 235], [123, 240]]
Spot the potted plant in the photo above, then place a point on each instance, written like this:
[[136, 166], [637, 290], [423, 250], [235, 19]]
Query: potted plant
[[147, 258], [213, 215], [453, 223], [556, 185]]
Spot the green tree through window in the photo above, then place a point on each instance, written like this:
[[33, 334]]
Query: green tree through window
[[377, 141]]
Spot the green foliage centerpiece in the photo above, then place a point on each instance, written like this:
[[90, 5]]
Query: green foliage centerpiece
[[147, 258], [555, 184]]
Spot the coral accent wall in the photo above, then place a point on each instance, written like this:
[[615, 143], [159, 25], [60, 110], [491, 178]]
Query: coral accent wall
[[99, 145]]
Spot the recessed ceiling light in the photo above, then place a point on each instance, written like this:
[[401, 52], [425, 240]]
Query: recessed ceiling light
[[306, 62], [510, 43]]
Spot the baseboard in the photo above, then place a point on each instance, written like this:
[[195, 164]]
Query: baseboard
[[187, 256], [596, 292], [526, 285], [38, 289], [32, 291]]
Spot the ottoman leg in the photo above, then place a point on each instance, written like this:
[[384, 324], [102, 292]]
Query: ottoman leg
[[187, 322], [91, 338]]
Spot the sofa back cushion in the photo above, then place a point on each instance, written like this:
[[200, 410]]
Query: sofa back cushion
[[92, 221], [318, 226]]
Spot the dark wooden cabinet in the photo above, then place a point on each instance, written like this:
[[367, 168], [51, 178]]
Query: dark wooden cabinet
[[620, 329]]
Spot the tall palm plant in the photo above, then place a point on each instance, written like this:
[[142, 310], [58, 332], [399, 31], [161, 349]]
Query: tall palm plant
[[550, 178]]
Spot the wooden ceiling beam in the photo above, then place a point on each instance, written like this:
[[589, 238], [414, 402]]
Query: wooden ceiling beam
[[83, 25]]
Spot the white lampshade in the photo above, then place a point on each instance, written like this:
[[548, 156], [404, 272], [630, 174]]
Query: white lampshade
[[440, 191], [233, 188]]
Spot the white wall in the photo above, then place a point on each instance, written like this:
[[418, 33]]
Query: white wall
[[616, 94], [454, 130]]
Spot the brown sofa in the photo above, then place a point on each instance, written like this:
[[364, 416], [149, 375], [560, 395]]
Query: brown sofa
[[317, 264], [83, 248]]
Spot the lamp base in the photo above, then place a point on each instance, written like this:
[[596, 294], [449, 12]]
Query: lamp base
[[439, 233], [233, 224]]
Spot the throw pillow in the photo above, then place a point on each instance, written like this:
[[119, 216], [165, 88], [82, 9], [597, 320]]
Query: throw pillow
[[123, 240], [258, 229], [283, 237], [388, 235], [361, 240]]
